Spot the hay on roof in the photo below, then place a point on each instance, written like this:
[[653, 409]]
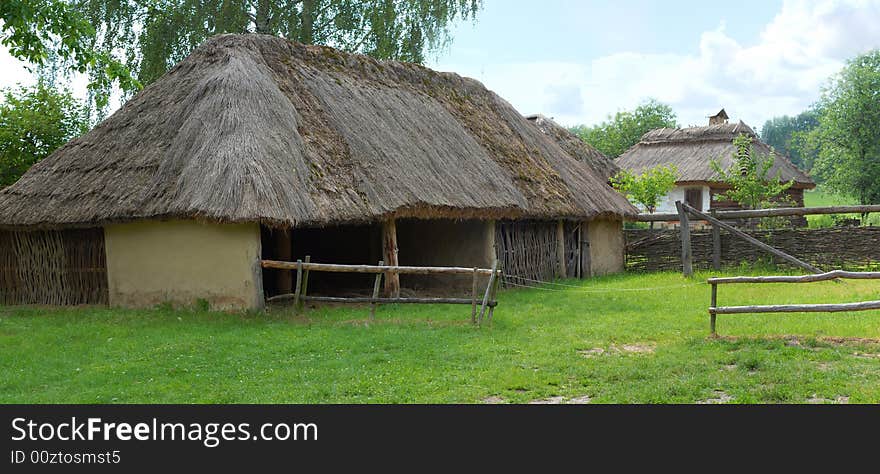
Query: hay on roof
[[575, 146], [254, 128], [692, 149]]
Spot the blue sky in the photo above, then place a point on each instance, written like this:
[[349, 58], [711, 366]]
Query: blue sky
[[579, 61]]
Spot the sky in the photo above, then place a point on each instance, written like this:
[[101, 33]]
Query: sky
[[581, 61]]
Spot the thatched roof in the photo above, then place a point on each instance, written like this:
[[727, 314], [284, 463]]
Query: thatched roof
[[575, 146], [692, 149], [257, 128]]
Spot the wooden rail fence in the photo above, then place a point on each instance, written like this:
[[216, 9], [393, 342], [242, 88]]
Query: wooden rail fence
[[487, 303], [715, 310]]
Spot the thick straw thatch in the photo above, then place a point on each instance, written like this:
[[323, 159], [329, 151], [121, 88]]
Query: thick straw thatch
[[256, 128], [692, 149], [575, 146]]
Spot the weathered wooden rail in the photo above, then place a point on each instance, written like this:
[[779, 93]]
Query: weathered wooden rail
[[777, 212], [302, 268], [714, 309]]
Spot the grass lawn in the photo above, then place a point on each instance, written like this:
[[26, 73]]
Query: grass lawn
[[819, 197], [592, 340]]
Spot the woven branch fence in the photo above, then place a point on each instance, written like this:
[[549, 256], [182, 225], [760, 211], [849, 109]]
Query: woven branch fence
[[850, 248], [526, 249], [53, 267]]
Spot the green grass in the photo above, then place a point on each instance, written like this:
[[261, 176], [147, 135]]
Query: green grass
[[541, 344], [820, 197]]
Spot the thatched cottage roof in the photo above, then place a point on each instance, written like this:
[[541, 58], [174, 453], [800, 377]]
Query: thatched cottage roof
[[692, 149], [575, 146], [257, 128]]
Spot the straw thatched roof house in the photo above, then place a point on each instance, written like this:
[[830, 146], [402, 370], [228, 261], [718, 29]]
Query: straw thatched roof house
[[692, 149], [256, 147]]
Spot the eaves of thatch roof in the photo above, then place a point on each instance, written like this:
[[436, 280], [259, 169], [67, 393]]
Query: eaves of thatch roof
[[692, 149], [575, 146], [254, 128]]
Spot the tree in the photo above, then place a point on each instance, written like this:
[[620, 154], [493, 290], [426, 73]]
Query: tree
[[782, 133], [36, 30], [647, 188], [157, 34], [848, 136], [618, 133], [748, 178], [34, 121]]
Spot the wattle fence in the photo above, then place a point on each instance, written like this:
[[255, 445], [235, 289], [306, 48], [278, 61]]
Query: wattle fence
[[848, 248]]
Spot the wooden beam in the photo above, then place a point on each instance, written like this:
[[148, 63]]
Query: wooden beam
[[748, 238], [586, 262], [560, 248], [367, 299], [492, 278], [781, 211], [797, 308], [403, 270], [687, 265], [389, 252], [376, 284], [832, 275]]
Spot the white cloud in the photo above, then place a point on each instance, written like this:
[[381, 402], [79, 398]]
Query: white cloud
[[781, 73]]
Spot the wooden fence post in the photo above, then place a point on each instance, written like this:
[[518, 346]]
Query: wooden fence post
[[713, 305], [687, 266], [389, 250], [492, 279], [376, 286], [474, 297], [299, 274], [305, 284], [492, 298]]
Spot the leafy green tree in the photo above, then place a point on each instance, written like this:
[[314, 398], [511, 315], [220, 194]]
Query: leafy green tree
[[647, 188], [618, 133], [34, 121], [748, 178], [782, 133], [156, 34], [848, 136], [36, 30]]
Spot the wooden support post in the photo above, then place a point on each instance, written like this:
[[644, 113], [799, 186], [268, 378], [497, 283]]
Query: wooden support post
[[492, 279], [305, 284], [580, 253], [474, 297], [748, 238], [389, 251], [716, 245], [493, 298], [687, 266], [296, 290], [713, 305], [560, 248], [283, 250], [376, 286]]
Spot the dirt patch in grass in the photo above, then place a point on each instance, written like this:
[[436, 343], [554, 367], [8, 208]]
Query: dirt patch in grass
[[719, 397], [614, 349], [838, 400], [493, 400], [582, 400]]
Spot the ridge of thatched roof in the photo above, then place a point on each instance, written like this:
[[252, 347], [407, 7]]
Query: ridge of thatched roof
[[254, 128], [692, 149], [575, 146]]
